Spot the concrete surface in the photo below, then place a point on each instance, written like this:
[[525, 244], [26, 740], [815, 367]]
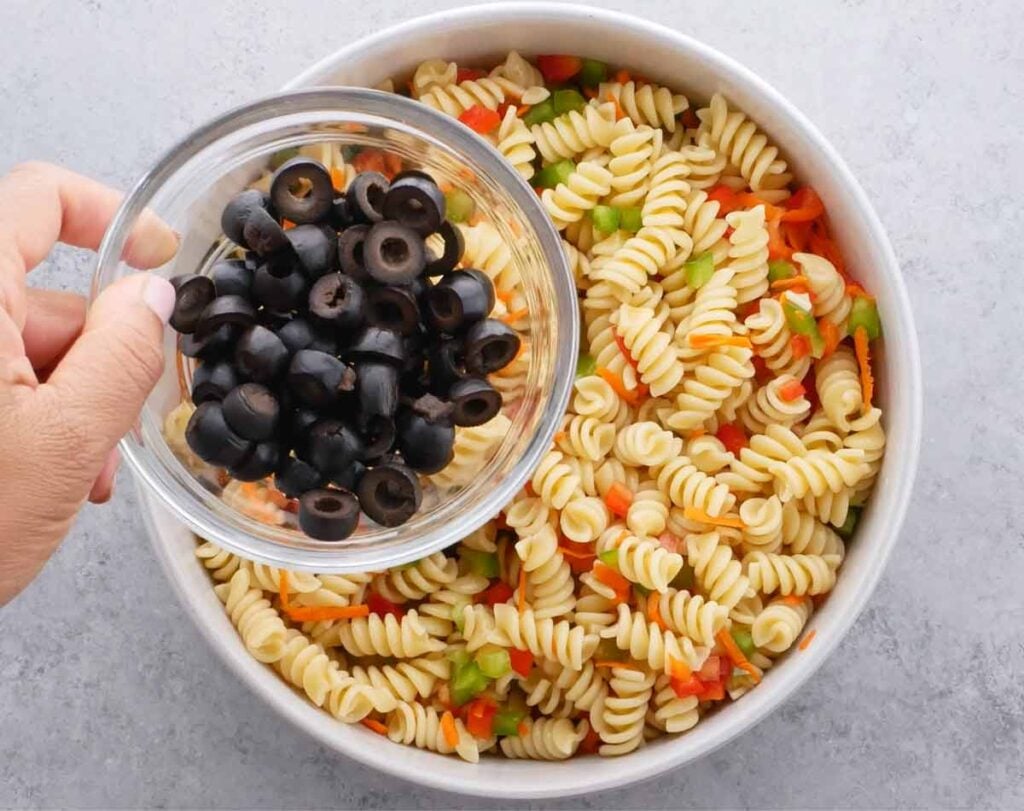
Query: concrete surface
[[109, 697]]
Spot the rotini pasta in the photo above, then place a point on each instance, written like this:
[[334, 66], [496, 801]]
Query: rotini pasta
[[748, 149]]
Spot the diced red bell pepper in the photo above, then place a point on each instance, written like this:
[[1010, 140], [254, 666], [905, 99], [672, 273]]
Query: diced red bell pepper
[[800, 345], [480, 717], [762, 374], [558, 67], [687, 687], [803, 206], [793, 390], [500, 592], [591, 742], [711, 669], [521, 660], [733, 437], [712, 692], [726, 198], [618, 498], [480, 119], [382, 606]]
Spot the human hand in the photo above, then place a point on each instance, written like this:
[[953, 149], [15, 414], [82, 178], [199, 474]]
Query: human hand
[[71, 384]]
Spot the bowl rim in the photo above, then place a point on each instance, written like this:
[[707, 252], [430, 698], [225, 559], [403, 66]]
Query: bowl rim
[[676, 752]]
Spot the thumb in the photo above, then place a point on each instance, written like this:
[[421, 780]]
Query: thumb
[[106, 375]]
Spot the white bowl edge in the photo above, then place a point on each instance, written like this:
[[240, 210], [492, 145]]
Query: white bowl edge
[[537, 27]]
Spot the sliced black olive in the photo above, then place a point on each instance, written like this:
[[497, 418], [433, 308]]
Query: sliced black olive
[[374, 343], [415, 352], [446, 364], [260, 463], [339, 217], [390, 494], [279, 288], [231, 277], [193, 295], [337, 300], [426, 445], [273, 319], [474, 401], [365, 196], [411, 173], [296, 476], [393, 308], [296, 334], [300, 422], [252, 411], [328, 515], [232, 310], [454, 246], [213, 381], [377, 389], [350, 252], [415, 203], [301, 190], [238, 210], [209, 436], [318, 379], [349, 479], [316, 247], [324, 341], [393, 253], [490, 345], [214, 346], [378, 437], [461, 298], [260, 355], [332, 446], [263, 234]]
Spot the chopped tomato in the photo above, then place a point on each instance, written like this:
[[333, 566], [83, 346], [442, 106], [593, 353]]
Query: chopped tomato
[[480, 717], [480, 119], [382, 606], [687, 687], [733, 437], [500, 592], [618, 498], [558, 67], [521, 660], [469, 74], [580, 556], [712, 692], [711, 669]]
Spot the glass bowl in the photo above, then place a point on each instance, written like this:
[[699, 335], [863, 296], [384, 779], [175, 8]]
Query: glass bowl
[[189, 187]]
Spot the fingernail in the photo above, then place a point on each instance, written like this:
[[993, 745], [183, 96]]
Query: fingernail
[[159, 297]]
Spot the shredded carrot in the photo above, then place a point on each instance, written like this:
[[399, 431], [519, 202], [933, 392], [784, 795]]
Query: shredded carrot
[[287, 224], [830, 334], [710, 341], [696, 432], [855, 290], [522, 590], [523, 109], [791, 282], [523, 729], [631, 397], [282, 586], [734, 653], [867, 381], [448, 728], [619, 112], [337, 178], [618, 499], [375, 726], [515, 315], [622, 76], [678, 669], [654, 611], [805, 643], [316, 613], [614, 663], [503, 295], [621, 344], [790, 599], [695, 514]]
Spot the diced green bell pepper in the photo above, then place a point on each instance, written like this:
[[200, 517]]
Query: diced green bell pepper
[[467, 683], [493, 661], [481, 563], [585, 365], [630, 219], [566, 101], [609, 651], [458, 612], [699, 270], [459, 657], [802, 322], [864, 313], [610, 557], [744, 641], [850, 524], [593, 72], [780, 269], [540, 113], [606, 219], [458, 205], [554, 173], [506, 722]]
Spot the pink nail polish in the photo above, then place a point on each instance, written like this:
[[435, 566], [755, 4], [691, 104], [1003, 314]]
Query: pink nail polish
[[159, 297]]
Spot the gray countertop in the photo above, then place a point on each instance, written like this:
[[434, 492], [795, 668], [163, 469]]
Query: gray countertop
[[109, 696]]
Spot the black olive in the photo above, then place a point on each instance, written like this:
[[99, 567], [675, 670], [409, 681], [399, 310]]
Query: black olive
[[474, 401], [411, 173], [415, 352], [490, 345], [316, 247], [393, 308], [337, 300], [252, 260], [301, 190], [279, 286], [193, 294], [332, 446], [263, 234], [365, 196], [393, 253], [300, 422], [209, 436], [296, 476], [454, 246], [425, 435], [260, 355], [318, 379], [374, 343], [273, 319], [324, 341], [295, 334], [377, 389], [237, 211], [461, 298], [415, 203], [328, 515], [231, 277], [390, 494], [233, 310], [350, 252], [339, 218], [252, 411], [260, 463], [213, 381], [349, 479], [214, 346], [378, 437], [446, 364]]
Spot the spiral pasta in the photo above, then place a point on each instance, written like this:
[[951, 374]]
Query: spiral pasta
[[708, 453], [418, 725], [748, 149], [432, 73], [568, 201], [478, 627], [762, 523], [837, 380], [487, 251], [546, 739], [575, 132], [646, 444], [586, 437], [686, 487], [618, 718], [584, 518], [640, 560], [387, 636], [831, 300], [719, 576], [802, 534], [554, 481], [220, 563], [691, 616], [308, 667], [455, 99], [669, 712], [750, 473], [772, 340], [633, 150], [705, 162], [651, 349], [712, 315], [259, 625], [558, 641], [407, 681], [770, 406], [417, 581], [789, 574], [549, 581], [665, 205], [818, 473], [748, 253], [515, 142], [776, 628], [647, 516], [646, 103], [640, 257], [473, 448], [714, 381]]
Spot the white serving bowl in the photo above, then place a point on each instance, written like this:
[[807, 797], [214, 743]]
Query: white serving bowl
[[473, 35]]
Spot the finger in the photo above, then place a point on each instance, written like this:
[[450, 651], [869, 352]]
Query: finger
[[103, 487], [53, 321], [100, 385], [41, 204]]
